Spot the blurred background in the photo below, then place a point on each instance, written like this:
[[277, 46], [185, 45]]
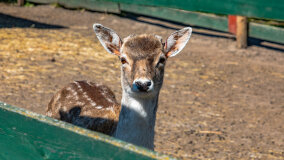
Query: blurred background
[[223, 95]]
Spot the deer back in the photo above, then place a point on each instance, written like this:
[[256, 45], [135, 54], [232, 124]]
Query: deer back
[[86, 104]]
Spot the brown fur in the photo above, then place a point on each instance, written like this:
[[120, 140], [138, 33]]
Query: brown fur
[[142, 47], [143, 52], [93, 106], [73, 103]]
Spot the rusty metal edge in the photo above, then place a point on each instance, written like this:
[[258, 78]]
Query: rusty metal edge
[[84, 132]]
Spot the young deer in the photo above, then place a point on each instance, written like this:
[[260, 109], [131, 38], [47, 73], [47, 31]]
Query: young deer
[[94, 106]]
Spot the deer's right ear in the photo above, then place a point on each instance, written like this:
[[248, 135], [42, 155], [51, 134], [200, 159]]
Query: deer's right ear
[[177, 41], [108, 38]]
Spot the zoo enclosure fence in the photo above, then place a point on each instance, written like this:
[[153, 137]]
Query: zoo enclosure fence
[[222, 15]]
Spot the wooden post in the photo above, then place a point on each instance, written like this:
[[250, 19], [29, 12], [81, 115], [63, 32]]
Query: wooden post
[[242, 32], [21, 2]]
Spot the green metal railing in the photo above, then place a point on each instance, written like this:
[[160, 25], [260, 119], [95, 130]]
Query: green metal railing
[[28, 135], [181, 11]]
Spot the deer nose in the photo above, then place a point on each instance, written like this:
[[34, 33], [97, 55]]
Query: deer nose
[[143, 85]]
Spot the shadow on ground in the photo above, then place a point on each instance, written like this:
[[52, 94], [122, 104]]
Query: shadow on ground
[[251, 41], [7, 21]]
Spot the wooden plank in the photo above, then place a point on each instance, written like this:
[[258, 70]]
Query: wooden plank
[[27, 135], [270, 33], [186, 17], [242, 32], [97, 5], [272, 9]]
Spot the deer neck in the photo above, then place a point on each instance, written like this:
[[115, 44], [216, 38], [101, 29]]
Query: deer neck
[[137, 120]]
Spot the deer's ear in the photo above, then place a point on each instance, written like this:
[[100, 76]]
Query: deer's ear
[[108, 38], [176, 41]]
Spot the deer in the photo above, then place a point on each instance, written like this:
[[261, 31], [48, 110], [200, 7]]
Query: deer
[[93, 105]]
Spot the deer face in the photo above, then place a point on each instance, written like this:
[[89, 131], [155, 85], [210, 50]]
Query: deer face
[[142, 57], [143, 63]]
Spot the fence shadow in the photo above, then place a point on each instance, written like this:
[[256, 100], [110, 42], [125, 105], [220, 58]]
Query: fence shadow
[[258, 42], [135, 17], [98, 124], [251, 41], [7, 21]]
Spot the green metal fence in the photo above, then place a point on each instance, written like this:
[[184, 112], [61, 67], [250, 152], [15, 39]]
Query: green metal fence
[[182, 11], [25, 135], [272, 9]]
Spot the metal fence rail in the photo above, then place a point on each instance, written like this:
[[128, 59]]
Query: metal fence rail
[[181, 11], [31, 136]]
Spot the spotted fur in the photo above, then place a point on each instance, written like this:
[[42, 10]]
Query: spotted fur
[[93, 106], [86, 104]]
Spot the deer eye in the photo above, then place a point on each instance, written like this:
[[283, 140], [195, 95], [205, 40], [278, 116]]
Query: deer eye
[[123, 60]]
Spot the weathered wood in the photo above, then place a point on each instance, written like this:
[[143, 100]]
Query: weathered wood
[[186, 17], [27, 135], [272, 9], [266, 32], [242, 32], [20, 2]]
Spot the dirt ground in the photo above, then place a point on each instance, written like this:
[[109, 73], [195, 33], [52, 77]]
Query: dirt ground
[[217, 102]]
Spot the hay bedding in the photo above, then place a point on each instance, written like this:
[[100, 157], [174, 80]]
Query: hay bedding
[[31, 57], [35, 63], [206, 104]]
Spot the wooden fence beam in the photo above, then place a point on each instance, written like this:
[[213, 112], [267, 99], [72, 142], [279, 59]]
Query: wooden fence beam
[[242, 32], [21, 2]]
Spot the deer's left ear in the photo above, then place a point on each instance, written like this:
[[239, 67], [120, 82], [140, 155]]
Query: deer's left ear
[[108, 38], [176, 41]]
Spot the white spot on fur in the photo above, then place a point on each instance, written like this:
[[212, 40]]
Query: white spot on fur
[[64, 108], [89, 99], [98, 107], [85, 95], [69, 89], [89, 83], [106, 95], [69, 96], [79, 103], [111, 109], [79, 86], [73, 95]]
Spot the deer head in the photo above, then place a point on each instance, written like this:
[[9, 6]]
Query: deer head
[[143, 58]]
